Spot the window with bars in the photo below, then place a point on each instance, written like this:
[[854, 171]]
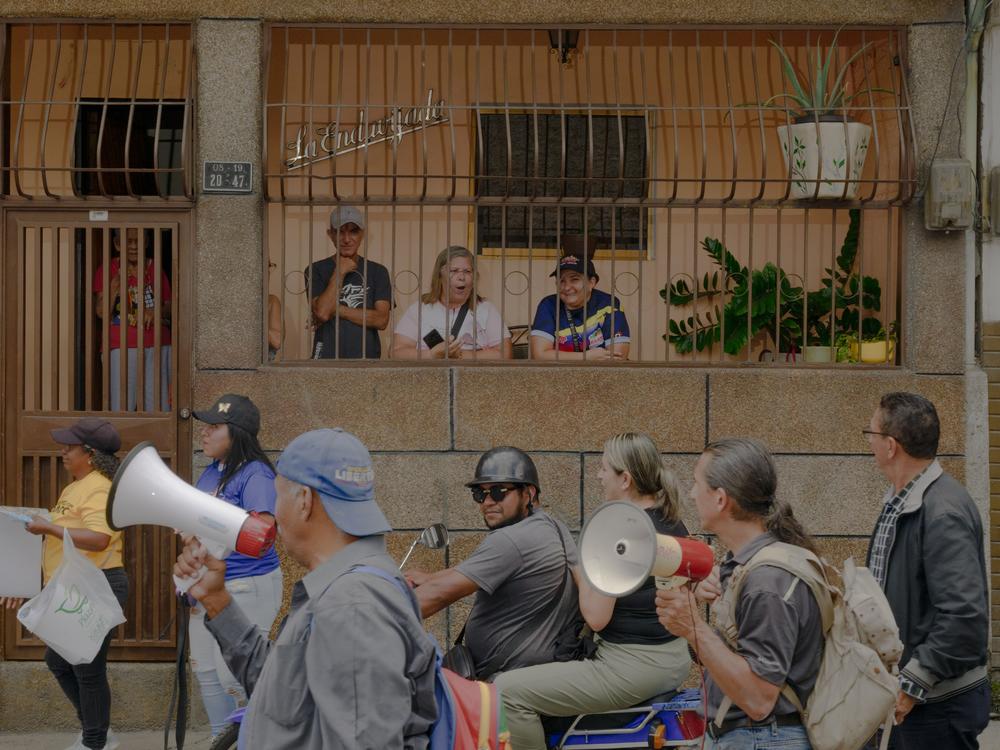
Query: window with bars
[[653, 141], [600, 157], [96, 110]]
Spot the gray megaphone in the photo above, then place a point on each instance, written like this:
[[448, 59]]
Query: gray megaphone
[[620, 550], [146, 491]]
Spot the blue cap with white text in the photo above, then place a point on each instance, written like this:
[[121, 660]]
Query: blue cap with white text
[[338, 466]]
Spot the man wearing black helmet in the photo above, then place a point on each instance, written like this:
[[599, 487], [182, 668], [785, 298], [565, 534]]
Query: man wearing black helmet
[[520, 573]]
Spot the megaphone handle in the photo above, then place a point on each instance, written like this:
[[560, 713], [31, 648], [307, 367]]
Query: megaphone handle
[[216, 550], [667, 583]]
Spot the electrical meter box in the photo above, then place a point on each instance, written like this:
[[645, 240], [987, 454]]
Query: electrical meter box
[[948, 203]]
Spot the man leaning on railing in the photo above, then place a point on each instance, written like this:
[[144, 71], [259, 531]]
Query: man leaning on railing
[[353, 295]]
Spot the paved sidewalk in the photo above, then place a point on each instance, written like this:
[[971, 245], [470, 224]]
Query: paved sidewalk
[[129, 740], [989, 740]]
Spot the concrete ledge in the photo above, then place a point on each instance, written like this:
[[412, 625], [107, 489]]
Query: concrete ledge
[[551, 11], [31, 701]]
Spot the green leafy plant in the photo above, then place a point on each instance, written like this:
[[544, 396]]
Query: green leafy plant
[[759, 300], [766, 300], [821, 89], [839, 305]]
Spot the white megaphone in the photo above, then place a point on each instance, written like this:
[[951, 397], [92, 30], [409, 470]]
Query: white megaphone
[[620, 549], [146, 491]]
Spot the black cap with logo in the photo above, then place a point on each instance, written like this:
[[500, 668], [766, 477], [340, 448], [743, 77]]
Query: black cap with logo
[[577, 255], [94, 432], [232, 408]]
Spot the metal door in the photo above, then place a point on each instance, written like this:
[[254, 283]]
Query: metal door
[[73, 350]]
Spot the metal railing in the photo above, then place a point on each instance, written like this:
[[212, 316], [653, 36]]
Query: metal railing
[[659, 145], [96, 111]]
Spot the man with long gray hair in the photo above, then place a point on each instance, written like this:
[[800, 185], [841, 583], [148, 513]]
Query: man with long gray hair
[[927, 554], [770, 632]]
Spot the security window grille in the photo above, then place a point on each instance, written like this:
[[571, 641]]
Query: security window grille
[[119, 144], [586, 157]]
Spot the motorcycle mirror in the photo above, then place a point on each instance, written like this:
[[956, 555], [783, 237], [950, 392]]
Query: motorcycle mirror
[[435, 536]]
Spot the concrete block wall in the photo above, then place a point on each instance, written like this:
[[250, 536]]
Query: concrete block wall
[[427, 426]]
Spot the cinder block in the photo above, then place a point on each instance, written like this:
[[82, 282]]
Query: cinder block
[[795, 411], [371, 402], [578, 408]]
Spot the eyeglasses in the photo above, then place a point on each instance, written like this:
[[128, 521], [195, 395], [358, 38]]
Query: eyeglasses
[[496, 494], [876, 432]]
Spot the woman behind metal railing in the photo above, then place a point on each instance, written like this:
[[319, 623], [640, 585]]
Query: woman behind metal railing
[[451, 319]]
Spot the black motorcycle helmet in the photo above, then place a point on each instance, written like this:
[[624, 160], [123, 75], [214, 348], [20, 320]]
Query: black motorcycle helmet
[[506, 464]]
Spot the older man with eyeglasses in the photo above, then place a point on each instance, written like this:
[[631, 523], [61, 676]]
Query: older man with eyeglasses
[[520, 573], [927, 554]]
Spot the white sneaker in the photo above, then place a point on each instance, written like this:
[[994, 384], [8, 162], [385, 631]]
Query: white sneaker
[[111, 743]]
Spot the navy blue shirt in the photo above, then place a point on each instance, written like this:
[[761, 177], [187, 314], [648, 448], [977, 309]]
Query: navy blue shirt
[[250, 488]]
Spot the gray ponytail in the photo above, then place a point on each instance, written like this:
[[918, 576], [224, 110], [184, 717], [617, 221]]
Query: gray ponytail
[[745, 469]]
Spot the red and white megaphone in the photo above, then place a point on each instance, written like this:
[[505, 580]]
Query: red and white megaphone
[[146, 491], [620, 549]]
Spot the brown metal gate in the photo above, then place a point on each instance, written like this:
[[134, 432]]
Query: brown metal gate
[[64, 359]]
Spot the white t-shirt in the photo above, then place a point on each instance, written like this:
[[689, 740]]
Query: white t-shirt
[[489, 328]]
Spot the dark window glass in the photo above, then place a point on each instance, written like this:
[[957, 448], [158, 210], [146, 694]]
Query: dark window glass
[[598, 157], [141, 130]]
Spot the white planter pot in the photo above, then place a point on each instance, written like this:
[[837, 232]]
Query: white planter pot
[[818, 353], [844, 149]]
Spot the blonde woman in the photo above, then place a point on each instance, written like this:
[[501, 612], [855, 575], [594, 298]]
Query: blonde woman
[[451, 319], [636, 658]]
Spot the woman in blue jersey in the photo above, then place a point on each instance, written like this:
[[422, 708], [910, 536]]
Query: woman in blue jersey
[[240, 474], [580, 322]]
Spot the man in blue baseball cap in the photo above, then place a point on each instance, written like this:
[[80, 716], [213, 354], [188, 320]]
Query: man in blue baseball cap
[[352, 666]]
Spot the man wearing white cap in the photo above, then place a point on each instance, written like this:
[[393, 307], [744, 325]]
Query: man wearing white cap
[[350, 296], [352, 666]]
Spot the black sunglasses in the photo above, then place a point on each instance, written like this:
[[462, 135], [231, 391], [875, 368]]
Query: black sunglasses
[[497, 494]]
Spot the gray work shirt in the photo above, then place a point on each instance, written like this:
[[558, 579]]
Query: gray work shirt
[[352, 666], [780, 634], [519, 570]]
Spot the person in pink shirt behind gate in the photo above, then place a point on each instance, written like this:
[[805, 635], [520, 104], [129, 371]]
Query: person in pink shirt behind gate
[[113, 325]]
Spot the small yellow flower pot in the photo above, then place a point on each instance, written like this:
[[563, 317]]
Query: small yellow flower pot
[[874, 352]]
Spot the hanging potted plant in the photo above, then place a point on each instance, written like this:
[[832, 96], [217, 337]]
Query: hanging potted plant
[[824, 149]]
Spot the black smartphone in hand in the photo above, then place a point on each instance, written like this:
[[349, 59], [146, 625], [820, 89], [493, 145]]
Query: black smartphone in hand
[[433, 338]]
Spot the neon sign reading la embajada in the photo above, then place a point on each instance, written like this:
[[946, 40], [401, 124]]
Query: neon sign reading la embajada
[[334, 141]]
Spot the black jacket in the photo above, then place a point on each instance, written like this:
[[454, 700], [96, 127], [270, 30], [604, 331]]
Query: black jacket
[[936, 585]]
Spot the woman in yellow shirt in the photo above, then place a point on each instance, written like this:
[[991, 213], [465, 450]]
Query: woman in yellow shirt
[[88, 453]]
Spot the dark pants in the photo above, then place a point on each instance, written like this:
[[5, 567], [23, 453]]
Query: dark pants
[[86, 685], [952, 724]]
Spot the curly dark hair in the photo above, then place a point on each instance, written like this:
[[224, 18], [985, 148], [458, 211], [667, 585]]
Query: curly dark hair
[[105, 464]]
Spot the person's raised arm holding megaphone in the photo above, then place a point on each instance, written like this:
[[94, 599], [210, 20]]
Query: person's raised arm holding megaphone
[[777, 625]]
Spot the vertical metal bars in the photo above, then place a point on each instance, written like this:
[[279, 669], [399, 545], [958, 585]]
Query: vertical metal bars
[[662, 143], [97, 111]]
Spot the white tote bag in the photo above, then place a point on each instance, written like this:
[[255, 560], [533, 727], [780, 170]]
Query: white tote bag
[[75, 610]]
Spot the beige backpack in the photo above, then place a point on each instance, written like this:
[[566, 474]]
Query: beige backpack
[[858, 678]]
